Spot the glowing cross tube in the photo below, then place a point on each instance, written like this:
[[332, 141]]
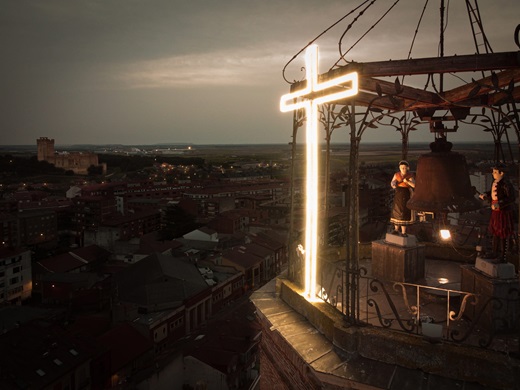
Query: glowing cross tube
[[301, 99]]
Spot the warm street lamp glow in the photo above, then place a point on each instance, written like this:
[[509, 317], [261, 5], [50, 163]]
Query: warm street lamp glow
[[301, 99]]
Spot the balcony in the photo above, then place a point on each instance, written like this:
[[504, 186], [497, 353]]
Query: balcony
[[389, 348]]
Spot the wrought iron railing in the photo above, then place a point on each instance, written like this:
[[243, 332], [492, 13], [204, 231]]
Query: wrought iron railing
[[438, 314]]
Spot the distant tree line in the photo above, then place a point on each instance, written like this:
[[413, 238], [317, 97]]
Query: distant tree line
[[135, 163], [25, 166], [16, 166]]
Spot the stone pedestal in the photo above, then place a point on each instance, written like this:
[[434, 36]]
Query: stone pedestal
[[398, 263], [495, 269], [409, 240], [502, 312]]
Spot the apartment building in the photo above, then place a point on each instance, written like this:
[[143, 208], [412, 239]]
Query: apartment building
[[38, 227], [15, 275], [9, 236]]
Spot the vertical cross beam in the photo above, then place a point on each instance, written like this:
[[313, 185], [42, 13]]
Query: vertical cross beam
[[308, 99]]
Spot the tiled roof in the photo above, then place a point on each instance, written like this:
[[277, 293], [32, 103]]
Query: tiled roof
[[228, 338], [83, 279], [149, 243], [118, 219], [197, 244], [37, 354], [92, 253], [241, 258], [207, 230], [93, 325], [12, 316], [46, 204], [269, 240], [258, 250], [61, 263], [77, 258], [126, 345], [159, 281]]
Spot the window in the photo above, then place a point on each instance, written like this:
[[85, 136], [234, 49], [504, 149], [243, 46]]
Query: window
[[176, 323]]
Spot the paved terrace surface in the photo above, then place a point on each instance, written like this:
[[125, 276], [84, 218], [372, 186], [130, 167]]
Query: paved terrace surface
[[373, 358]]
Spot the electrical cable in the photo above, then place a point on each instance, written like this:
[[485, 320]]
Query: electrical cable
[[342, 56], [318, 36]]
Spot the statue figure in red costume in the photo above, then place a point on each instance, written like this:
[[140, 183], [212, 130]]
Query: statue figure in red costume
[[502, 222]]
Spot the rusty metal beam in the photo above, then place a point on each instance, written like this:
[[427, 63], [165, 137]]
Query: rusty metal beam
[[434, 65], [407, 93], [495, 98], [486, 85], [411, 99], [425, 66]]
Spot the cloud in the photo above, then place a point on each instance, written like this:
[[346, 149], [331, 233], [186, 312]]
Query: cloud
[[132, 68], [243, 67]]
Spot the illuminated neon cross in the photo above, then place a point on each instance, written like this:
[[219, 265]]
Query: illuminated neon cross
[[304, 99]]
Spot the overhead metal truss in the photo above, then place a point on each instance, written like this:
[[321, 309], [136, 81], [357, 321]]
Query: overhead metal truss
[[372, 90], [500, 88]]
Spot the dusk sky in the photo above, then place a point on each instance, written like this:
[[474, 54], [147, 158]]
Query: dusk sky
[[200, 71]]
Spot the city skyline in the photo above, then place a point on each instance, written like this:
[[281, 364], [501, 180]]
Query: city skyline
[[200, 73]]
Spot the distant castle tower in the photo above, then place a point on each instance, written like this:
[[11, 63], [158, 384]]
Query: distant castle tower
[[77, 162], [45, 148]]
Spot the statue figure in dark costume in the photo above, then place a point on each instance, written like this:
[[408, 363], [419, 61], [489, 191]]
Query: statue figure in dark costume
[[501, 224], [403, 182]]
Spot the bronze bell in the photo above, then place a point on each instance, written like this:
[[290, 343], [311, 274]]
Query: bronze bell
[[442, 183]]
